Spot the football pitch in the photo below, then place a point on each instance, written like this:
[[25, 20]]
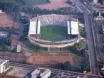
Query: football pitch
[[53, 32]]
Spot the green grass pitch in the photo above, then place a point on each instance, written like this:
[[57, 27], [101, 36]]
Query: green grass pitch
[[53, 33]]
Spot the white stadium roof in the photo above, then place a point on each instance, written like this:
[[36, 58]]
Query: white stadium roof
[[74, 27], [32, 27], [38, 28], [68, 27]]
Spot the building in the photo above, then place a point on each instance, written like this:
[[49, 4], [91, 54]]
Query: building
[[4, 65], [1, 12], [3, 34], [41, 73], [99, 18], [18, 48], [35, 73]]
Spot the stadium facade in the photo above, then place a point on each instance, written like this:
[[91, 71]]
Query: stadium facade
[[59, 20]]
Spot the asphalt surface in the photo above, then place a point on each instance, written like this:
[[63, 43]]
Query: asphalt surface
[[90, 41]]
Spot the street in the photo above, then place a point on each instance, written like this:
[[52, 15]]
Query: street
[[90, 41]]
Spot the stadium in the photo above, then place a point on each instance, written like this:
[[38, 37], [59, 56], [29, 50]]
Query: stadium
[[53, 30]]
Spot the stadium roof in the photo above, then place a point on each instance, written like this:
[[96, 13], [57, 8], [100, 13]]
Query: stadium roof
[[68, 27], [38, 28], [32, 27], [74, 28]]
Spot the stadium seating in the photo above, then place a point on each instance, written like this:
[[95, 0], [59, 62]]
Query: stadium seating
[[45, 19], [43, 23], [50, 18], [56, 20]]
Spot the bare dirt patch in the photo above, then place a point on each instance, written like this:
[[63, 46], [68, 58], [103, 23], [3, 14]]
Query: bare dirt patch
[[13, 57], [50, 59], [55, 4], [6, 20]]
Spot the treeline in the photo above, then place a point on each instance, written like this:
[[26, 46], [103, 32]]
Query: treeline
[[5, 42], [75, 50], [100, 1], [64, 11], [69, 2], [84, 66], [9, 7], [48, 1], [83, 32], [22, 2]]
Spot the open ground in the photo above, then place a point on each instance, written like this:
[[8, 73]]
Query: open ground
[[50, 59], [6, 20], [55, 4]]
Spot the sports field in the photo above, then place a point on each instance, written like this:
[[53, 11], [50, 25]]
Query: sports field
[[50, 59], [53, 32]]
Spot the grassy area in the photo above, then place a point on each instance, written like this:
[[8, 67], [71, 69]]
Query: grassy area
[[28, 2], [82, 32], [9, 1], [34, 2], [76, 60], [80, 44], [54, 33]]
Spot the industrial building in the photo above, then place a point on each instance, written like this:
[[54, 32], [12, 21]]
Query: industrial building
[[41, 73], [4, 65], [72, 28]]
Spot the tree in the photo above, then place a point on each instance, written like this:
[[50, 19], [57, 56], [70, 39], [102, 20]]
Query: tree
[[6, 8], [85, 65], [67, 65]]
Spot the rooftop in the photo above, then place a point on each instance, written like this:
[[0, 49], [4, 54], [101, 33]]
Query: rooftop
[[2, 61]]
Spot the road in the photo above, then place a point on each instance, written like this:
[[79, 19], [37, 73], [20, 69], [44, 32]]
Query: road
[[90, 41]]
